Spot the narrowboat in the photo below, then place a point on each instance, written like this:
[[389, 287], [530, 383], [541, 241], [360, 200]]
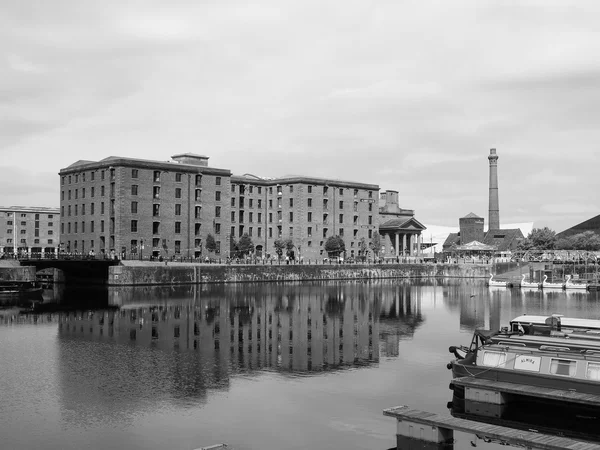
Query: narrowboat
[[14, 292], [551, 352]]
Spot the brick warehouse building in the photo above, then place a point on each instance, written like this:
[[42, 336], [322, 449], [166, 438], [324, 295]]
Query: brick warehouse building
[[29, 230], [306, 209], [143, 208], [138, 208]]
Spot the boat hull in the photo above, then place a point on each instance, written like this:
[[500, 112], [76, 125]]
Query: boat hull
[[460, 370]]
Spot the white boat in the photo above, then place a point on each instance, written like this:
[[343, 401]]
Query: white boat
[[529, 284], [570, 285], [546, 285], [496, 283]]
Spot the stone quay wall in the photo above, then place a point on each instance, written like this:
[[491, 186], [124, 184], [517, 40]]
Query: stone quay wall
[[131, 275], [17, 273]]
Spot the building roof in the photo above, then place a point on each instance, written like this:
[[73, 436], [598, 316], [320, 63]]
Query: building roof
[[592, 224], [299, 179], [80, 162], [452, 239], [121, 161], [32, 209], [471, 216], [503, 239], [402, 223]]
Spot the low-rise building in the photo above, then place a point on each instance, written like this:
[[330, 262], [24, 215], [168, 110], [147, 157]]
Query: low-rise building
[[29, 230]]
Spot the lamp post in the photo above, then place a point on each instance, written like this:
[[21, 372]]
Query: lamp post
[[141, 249]]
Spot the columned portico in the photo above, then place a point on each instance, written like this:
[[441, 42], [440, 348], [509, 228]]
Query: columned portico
[[405, 240]]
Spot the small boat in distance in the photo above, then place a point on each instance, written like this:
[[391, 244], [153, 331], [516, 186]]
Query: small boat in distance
[[495, 283], [571, 285], [547, 285], [12, 293], [528, 284]]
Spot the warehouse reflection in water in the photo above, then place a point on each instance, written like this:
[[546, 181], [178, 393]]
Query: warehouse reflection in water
[[181, 343]]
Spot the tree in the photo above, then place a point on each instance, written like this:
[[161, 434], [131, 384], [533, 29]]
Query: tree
[[588, 240], [233, 247], [334, 246], [210, 243], [539, 239], [279, 245], [375, 243], [363, 248], [245, 245], [289, 245]]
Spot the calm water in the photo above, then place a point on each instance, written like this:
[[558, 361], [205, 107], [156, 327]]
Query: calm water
[[264, 366]]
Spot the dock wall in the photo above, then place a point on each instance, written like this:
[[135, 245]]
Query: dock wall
[[17, 273], [127, 275]]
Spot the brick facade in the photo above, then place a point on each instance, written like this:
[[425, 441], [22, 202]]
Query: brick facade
[[29, 230], [306, 209], [141, 208]]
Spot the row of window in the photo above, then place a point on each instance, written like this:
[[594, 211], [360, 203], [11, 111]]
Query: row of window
[[80, 227], [24, 241], [291, 203], [36, 231], [242, 190], [156, 176], [23, 215], [24, 224], [76, 210], [309, 232], [290, 216], [558, 366], [135, 246]]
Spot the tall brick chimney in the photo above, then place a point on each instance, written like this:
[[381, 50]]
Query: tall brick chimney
[[494, 208]]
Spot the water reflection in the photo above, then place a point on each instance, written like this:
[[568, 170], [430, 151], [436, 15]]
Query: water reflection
[[178, 344], [215, 360], [288, 328]]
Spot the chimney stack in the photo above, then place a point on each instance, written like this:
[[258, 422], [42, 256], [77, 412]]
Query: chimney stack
[[494, 208]]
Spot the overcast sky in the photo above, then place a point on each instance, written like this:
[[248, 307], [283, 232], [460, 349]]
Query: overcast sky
[[409, 95]]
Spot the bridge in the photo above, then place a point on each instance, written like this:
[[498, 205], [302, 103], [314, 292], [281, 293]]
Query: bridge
[[82, 269]]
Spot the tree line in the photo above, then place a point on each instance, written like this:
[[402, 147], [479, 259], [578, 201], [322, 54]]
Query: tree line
[[334, 246], [546, 239]]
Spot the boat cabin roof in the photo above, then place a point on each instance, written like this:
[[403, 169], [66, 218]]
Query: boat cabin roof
[[590, 344], [565, 321]]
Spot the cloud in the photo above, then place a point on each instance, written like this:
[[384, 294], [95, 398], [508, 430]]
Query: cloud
[[400, 94], [577, 208], [551, 176]]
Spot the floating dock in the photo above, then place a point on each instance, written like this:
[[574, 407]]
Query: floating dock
[[437, 431]]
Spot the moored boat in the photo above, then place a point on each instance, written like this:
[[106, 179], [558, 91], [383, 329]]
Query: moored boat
[[496, 283], [551, 352], [13, 292], [551, 285], [570, 285], [529, 284]]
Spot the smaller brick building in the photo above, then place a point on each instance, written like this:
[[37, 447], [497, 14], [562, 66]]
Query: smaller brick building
[[29, 230], [471, 229]]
